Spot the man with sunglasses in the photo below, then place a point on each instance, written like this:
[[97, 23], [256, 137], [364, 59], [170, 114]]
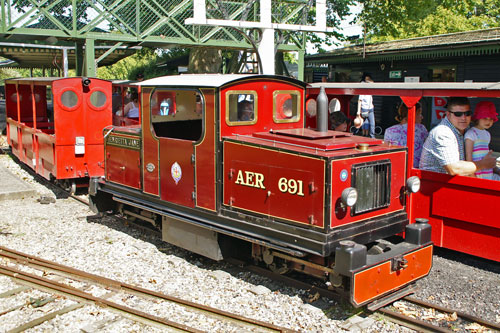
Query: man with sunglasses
[[443, 150]]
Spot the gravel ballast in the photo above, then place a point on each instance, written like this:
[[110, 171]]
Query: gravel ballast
[[67, 232]]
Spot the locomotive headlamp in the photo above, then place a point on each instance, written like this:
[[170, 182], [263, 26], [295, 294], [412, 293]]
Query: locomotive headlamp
[[85, 81], [413, 184], [349, 196]]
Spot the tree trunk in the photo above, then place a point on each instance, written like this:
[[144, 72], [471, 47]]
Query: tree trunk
[[203, 60]]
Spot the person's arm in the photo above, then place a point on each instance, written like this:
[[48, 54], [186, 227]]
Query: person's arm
[[359, 106], [465, 168], [127, 108], [469, 146]]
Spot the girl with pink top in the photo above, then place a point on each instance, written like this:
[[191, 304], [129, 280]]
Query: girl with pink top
[[477, 138]]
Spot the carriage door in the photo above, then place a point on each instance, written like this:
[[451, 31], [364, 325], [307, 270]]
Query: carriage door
[[175, 127]]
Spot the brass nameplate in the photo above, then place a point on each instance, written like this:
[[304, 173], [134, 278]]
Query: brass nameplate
[[125, 142]]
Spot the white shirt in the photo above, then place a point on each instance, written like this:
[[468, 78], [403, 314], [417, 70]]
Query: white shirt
[[366, 101]]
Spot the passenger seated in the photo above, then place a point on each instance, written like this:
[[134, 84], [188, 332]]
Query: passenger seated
[[477, 138], [397, 134], [245, 111], [443, 150], [131, 110], [339, 121]]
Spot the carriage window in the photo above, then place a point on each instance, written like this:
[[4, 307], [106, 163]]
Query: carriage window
[[241, 107], [69, 99], [98, 99], [286, 106], [334, 105], [13, 97], [311, 108], [176, 114]]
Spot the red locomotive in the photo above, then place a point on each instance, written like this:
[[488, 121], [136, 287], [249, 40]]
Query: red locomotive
[[461, 210], [222, 164], [54, 126]]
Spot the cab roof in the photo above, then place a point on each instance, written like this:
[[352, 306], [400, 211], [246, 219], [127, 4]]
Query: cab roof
[[209, 80]]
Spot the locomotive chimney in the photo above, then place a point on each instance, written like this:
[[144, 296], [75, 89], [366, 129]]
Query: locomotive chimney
[[322, 111]]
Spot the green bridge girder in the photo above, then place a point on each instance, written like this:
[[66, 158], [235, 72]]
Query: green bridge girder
[[153, 23]]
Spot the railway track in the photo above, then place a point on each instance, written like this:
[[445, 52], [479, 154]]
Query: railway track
[[58, 280], [410, 312], [427, 317]]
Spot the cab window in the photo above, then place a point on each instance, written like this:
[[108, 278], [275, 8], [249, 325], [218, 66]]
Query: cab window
[[177, 114], [241, 107], [286, 106]]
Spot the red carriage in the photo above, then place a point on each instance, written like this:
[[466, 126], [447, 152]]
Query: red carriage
[[54, 126], [222, 164], [461, 210]]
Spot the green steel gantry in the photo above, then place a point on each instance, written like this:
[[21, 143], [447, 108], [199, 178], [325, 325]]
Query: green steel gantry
[[118, 24]]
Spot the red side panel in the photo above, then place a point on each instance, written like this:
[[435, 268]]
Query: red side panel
[[274, 183], [46, 154], [123, 159], [205, 157], [462, 211], [177, 171], [28, 155], [13, 137]]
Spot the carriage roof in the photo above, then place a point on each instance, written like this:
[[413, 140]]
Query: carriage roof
[[483, 86]]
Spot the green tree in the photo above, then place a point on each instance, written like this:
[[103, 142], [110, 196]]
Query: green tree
[[399, 19], [337, 10]]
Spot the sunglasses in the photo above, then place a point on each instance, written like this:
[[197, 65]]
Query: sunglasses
[[460, 114]]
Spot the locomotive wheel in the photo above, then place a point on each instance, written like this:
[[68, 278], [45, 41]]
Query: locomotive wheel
[[336, 279], [276, 265], [101, 203], [279, 268], [70, 186]]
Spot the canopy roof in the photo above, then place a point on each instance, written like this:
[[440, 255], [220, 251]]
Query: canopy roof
[[486, 41]]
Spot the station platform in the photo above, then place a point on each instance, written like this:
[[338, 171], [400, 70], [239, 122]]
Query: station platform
[[11, 187]]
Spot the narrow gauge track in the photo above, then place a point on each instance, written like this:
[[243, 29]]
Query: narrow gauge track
[[461, 319], [388, 312], [457, 320], [51, 285]]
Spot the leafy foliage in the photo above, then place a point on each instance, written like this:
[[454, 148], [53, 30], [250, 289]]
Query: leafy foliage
[[6, 73], [399, 19], [147, 62], [337, 10]]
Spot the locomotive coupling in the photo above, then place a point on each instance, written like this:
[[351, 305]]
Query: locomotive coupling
[[349, 256], [93, 185], [418, 233]]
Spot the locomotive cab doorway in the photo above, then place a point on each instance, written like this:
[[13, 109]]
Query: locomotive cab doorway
[[172, 125]]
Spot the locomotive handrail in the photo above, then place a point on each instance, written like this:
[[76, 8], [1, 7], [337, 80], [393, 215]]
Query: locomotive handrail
[[109, 132]]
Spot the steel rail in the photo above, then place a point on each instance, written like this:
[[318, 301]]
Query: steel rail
[[400, 319], [237, 319], [416, 324], [56, 287], [461, 314]]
